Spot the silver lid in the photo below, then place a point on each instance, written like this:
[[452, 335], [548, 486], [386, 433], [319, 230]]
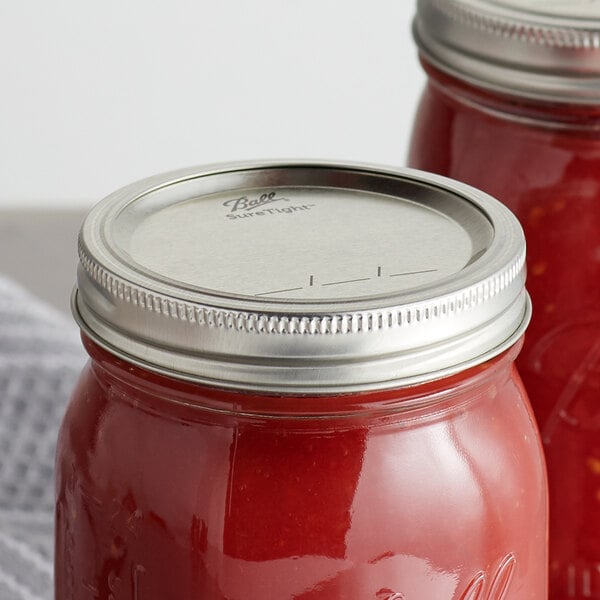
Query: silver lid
[[544, 49], [302, 277]]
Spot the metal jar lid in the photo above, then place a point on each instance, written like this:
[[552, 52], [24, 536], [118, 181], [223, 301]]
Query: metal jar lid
[[302, 277], [544, 49]]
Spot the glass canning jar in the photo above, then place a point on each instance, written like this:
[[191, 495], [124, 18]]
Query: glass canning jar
[[301, 386], [512, 106]]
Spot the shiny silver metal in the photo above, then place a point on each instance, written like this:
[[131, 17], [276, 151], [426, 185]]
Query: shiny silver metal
[[541, 49], [302, 277]]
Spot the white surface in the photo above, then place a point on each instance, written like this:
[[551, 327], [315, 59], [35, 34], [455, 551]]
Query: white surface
[[95, 95]]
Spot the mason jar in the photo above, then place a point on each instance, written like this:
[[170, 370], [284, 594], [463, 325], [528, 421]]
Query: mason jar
[[512, 106], [301, 386]]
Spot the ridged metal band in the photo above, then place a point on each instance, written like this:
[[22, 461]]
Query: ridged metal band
[[511, 49], [515, 28], [273, 324], [282, 344]]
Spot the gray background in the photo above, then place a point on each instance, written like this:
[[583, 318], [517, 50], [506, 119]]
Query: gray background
[[38, 248]]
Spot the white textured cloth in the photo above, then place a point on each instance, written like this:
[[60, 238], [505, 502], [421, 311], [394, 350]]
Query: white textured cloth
[[40, 359]]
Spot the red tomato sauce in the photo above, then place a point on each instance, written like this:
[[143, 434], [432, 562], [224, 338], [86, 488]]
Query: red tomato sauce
[[168, 489]]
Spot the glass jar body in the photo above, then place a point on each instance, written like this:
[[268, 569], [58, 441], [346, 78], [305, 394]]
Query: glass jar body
[[166, 489], [543, 162]]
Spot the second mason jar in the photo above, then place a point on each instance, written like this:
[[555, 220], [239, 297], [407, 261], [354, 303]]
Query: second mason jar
[[512, 106], [301, 387]]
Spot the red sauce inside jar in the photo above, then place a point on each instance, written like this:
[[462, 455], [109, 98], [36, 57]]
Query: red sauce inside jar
[[168, 489], [543, 161]]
